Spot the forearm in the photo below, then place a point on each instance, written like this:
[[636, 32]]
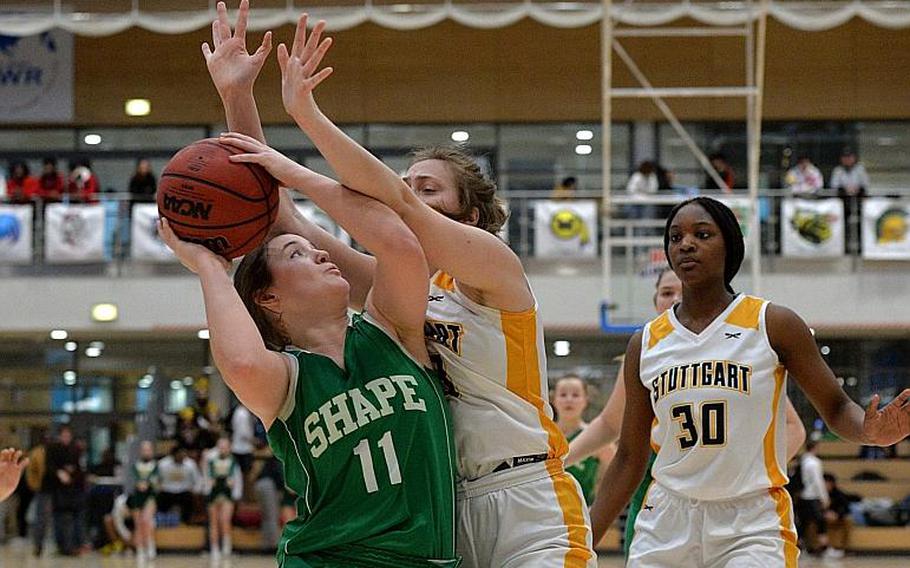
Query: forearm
[[845, 418], [242, 114], [234, 338], [594, 437], [616, 488], [355, 166]]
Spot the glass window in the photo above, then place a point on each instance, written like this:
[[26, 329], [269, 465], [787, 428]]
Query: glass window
[[292, 137], [141, 139], [882, 148], [409, 136], [36, 139]]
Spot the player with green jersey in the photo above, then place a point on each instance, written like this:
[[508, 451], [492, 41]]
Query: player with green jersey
[[360, 426], [376, 436]]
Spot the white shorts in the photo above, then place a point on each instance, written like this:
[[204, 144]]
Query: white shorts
[[674, 531], [529, 516]]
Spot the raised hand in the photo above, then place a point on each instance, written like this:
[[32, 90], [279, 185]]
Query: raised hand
[[232, 68], [298, 68], [889, 425], [194, 257], [11, 468], [282, 168]]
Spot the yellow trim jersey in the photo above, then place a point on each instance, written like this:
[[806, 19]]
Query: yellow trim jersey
[[718, 403], [495, 366]]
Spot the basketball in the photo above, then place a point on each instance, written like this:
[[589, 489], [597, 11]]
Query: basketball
[[207, 199]]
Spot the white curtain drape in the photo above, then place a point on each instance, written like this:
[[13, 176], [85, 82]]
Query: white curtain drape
[[802, 15]]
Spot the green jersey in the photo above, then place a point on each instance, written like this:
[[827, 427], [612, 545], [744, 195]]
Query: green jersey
[[585, 472], [369, 450]]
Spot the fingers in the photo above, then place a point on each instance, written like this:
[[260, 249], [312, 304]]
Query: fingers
[[872, 409], [6, 455], [166, 233], [241, 140], [242, 18], [224, 27], [263, 52], [313, 41], [206, 51], [283, 57], [901, 399], [321, 76], [216, 34], [316, 58], [299, 36]]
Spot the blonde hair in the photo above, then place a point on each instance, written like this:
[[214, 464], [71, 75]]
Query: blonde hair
[[475, 189]]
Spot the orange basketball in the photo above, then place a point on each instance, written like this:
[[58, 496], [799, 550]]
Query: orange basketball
[[207, 199]]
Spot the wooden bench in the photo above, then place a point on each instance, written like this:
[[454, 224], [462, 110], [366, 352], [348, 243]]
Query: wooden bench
[[880, 539], [893, 470], [840, 449], [192, 538]]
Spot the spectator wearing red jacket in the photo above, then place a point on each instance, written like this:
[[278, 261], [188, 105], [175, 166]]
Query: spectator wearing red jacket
[[20, 186], [82, 184], [50, 184]]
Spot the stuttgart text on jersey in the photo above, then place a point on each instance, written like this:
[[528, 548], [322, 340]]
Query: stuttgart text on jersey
[[710, 374]]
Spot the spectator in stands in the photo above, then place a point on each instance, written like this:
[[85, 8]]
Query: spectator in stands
[[724, 170], [143, 184], [188, 431], [50, 184], [851, 181], [804, 179], [813, 498], [21, 187], [68, 493], [105, 481], [243, 437], [837, 517], [180, 479], [82, 184], [641, 185], [117, 525], [565, 189], [269, 487]]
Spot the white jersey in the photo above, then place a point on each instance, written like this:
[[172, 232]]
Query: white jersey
[[718, 403], [495, 362]]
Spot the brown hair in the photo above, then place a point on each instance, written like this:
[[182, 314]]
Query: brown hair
[[569, 377], [475, 189], [254, 276]]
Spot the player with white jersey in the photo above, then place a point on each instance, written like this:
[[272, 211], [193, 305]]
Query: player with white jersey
[[705, 383], [517, 505]]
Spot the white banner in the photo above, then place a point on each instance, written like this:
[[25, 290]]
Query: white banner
[[812, 227], [318, 216], [36, 77], [144, 241], [73, 233], [15, 234], [885, 228], [742, 208], [565, 229]]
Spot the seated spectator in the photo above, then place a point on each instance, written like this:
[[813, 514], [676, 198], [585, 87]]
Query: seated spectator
[[180, 479], [20, 186], [117, 525], [837, 517], [804, 180], [724, 170], [851, 181], [82, 184], [565, 189], [143, 184], [50, 184]]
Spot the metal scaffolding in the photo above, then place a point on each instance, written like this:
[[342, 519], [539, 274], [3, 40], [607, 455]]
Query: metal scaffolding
[[753, 32]]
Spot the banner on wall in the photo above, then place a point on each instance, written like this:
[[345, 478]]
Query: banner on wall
[[73, 233], [886, 228], [36, 77], [318, 216], [812, 227], [15, 234], [145, 244], [565, 229], [742, 208]]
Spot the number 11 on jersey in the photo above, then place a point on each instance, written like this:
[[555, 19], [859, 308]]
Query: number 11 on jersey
[[363, 451]]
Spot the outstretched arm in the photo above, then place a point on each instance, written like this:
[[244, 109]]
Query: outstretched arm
[[257, 376], [473, 256], [603, 430], [631, 459], [399, 293], [12, 465], [791, 339], [234, 72]]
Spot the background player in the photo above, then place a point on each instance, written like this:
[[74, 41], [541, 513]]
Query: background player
[[605, 428], [225, 483], [141, 502], [570, 399], [718, 497]]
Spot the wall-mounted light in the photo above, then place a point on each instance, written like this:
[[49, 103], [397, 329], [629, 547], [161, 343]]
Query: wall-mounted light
[[104, 312]]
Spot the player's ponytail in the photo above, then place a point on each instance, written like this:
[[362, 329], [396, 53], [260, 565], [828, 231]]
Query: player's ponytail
[[729, 227], [253, 277]]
